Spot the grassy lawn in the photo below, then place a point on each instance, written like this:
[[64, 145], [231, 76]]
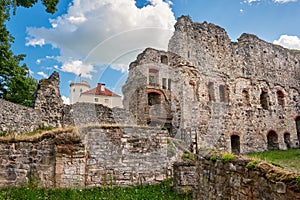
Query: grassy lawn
[[158, 192], [284, 158]]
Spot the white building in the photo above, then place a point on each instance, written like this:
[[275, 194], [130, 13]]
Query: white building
[[81, 92]]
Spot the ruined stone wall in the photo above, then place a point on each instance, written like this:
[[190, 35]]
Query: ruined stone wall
[[233, 180], [223, 89], [125, 156], [18, 119], [184, 179], [92, 157]]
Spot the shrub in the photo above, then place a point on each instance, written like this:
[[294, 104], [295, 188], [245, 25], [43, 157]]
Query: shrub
[[227, 157], [252, 164], [188, 156], [214, 158], [298, 179]]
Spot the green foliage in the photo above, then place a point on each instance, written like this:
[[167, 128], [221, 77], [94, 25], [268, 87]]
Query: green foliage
[[276, 164], [227, 157], [298, 179], [15, 84], [161, 191], [252, 164], [284, 158], [188, 156], [214, 158]]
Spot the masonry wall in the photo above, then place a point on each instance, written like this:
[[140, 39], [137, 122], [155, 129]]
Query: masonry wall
[[18, 119], [90, 157], [233, 180]]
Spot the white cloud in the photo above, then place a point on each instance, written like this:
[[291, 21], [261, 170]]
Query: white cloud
[[34, 42], [104, 32], [250, 1], [42, 74], [284, 1], [287, 41], [66, 100], [79, 68]]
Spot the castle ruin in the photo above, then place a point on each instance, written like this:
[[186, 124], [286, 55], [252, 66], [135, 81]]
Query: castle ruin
[[212, 92]]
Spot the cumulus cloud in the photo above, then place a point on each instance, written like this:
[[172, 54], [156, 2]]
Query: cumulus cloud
[[66, 100], [250, 1], [34, 42], [284, 1], [287, 41], [42, 74], [79, 68], [106, 32]]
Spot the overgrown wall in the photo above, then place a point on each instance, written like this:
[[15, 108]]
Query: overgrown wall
[[233, 180], [93, 157]]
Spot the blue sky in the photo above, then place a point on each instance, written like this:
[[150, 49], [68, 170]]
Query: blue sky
[[98, 38]]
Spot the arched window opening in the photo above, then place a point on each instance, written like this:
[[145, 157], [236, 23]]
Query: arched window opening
[[235, 144], [264, 100], [164, 59], [272, 138], [287, 140], [154, 98], [298, 129], [280, 98], [245, 98]]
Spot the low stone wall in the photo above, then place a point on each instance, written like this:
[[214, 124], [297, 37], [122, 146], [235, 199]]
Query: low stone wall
[[90, 157], [18, 119], [184, 176], [233, 180], [125, 156]]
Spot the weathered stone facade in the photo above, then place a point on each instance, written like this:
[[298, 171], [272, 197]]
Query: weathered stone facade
[[18, 119], [236, 96], [208, 177], [92, 157]]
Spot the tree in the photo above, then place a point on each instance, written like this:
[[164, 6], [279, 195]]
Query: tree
[[15, 83]]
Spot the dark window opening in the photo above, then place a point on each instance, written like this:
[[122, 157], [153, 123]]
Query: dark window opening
[[153, 77], [211, 91], [235, 144], [272, 140], [164, 59], [153, 98], [280, 98], [164, 83], [264, 100], [169, 84], [246, 98], [298, 128], [224, 94], [287, 140]]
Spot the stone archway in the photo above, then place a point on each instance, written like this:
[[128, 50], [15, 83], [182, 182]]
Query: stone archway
[[272, 140], [287, 139], [235, 144]]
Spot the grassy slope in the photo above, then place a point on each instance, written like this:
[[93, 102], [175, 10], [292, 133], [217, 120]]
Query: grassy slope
[[162, 191], [286, 158]]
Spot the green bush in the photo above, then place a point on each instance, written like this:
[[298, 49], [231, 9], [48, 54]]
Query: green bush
[[252, 164], [298, 179], [214, 158], [227, 157], [188, 156]]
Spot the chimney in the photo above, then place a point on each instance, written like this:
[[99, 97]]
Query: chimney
[[102, 87]]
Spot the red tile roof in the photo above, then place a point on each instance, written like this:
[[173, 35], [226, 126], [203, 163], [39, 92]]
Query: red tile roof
[[97, 91]]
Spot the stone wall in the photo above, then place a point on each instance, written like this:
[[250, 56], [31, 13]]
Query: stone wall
[[210, 178], [18, 119], [233, 180], [89, 157]]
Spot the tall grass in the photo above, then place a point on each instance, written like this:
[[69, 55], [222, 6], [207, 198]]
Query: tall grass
[[161, 191], [286, 158]]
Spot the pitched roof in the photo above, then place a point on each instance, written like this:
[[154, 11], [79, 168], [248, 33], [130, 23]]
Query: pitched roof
[[101, 90]]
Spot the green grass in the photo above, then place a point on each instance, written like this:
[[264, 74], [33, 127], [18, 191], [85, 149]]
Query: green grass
[[161, 191], [283, 158], [227, 157]]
